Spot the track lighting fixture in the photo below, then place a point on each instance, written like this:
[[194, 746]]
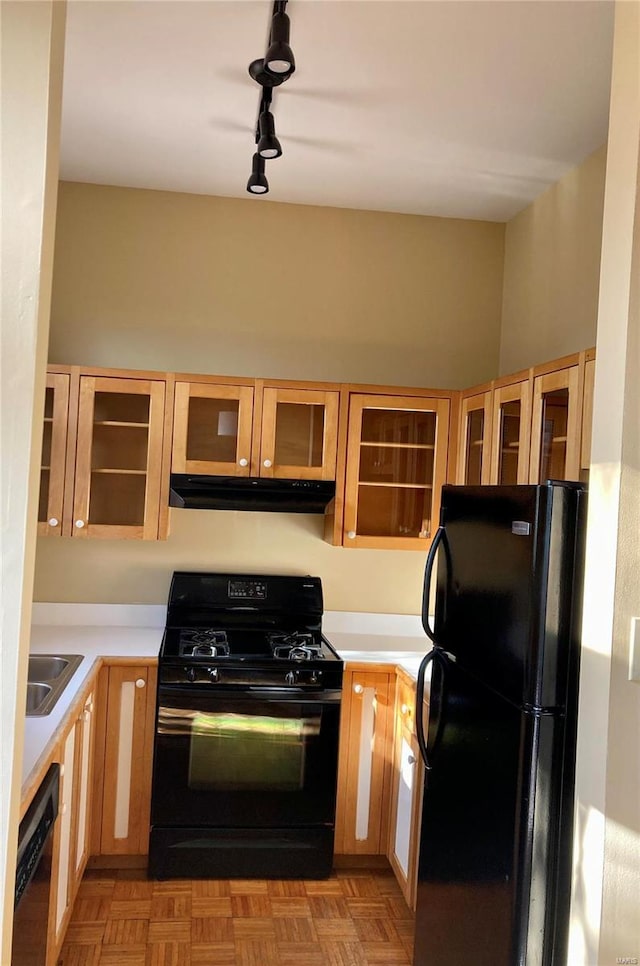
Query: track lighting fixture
[[271, 71], [257, 183], [279, 59], [268, 145]]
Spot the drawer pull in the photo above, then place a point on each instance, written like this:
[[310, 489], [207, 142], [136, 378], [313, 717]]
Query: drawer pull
[[358, 688], [140, 682]]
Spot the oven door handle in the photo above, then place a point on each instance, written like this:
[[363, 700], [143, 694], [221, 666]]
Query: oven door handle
[[213, 694]]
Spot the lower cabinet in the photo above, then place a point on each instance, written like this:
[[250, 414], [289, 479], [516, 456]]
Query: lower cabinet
[[365, 753], [406, 792], [71, 837], [124, 744]]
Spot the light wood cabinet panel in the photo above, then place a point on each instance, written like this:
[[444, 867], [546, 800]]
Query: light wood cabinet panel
[[63, 864], [299, 434], [587, 412], [212, 429], [126, 738], [395, 466], [103, 456], [474, 449], [364, 764], [511, 433], [54, 454], [83, 769], [119, 458], [406, 793], [555, 426]]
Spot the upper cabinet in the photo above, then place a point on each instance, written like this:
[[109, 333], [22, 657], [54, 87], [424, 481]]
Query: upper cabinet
[[474, 443], [529, 427], [54, 453], [299, 433], [556, 421], [258, 429], [102, 460], [510, 430], [212, 429], [396, 464]]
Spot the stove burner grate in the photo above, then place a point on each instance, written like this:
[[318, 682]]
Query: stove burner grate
[[295, 646], [203, 642]]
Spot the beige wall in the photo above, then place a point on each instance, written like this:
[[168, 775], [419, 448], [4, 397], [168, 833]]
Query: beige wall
[[32, 53], [606, 895], [168, 281], [551, 270], [161, 280]]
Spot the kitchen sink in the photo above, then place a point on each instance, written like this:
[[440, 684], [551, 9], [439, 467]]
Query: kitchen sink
[[37, 695], [47, 677]]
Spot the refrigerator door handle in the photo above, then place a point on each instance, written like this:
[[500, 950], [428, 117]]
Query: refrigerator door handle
[[422, 741], [438, 656], [426, 587]]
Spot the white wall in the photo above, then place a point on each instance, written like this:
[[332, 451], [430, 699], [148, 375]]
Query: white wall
[[605, 926], [32, 47]]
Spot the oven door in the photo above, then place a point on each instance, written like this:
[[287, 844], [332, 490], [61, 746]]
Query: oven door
[[256, 758]]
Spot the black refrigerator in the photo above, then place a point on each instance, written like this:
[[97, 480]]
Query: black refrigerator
[[494, 868]]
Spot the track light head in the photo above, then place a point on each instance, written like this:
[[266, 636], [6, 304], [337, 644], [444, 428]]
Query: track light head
[[257, 183], [268, 144], [279, 59], [262, 76]]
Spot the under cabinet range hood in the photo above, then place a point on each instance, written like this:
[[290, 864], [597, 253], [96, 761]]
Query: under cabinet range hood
[[250, 493]]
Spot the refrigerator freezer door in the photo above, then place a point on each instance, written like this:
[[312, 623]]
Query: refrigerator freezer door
[[509, 586], [490, 865]]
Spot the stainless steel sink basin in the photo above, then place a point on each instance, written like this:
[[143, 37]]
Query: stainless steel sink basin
[[47, 678], [37, 694], [46, 667]]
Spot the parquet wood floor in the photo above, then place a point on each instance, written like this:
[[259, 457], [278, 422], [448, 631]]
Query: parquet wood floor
[[355, 918]]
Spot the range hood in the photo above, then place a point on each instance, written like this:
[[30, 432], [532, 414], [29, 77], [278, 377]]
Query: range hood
[[250, 493]]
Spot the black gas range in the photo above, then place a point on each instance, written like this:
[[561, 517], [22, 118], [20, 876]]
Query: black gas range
[[246, 744]]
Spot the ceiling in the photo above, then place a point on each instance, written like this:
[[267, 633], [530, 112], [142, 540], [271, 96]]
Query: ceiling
[[456, 108]]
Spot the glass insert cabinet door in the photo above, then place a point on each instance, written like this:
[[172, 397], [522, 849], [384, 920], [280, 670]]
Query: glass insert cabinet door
[[212, 429], [118, 458], [54, 449], [511, 434], [396, 465], [555, 427], [474, 456], [299, 434]]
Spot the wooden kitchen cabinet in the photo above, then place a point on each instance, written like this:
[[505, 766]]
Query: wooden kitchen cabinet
[[396, 463], [106, 481], [406, 791], [71, 835], [556, 420], [364, 764], [587, 413], [124, 745], [511, 429], [54, 453], [474, 446], [85, 732], [287, 430]]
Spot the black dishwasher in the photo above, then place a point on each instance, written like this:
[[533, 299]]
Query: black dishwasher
[[33, 874]]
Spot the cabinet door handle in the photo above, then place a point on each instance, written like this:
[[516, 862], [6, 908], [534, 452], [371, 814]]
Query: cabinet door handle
[[53, 521], [243, 462], [411, 759], [351, 534], [79, 524], [267, 463], [140, 682], [358, 688], [404, 708]]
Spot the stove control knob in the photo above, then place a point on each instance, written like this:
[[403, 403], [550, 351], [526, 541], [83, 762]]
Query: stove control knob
[[315, 677], [191, 674], [214, 673], [291, 677]]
